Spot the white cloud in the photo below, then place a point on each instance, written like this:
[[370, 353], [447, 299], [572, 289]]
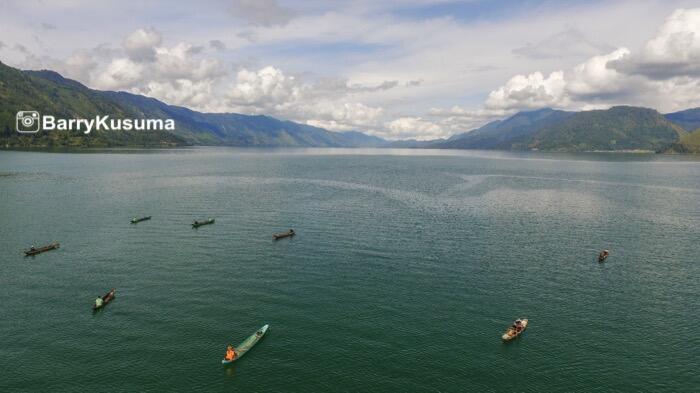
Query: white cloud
[[529, 91], [673, 52], [414, 127], [593, 77], [663, 74], [120, 74], [267, 87], [141, 44]]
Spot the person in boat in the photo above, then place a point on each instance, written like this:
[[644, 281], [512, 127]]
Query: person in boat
[[517, 326], [32, 248], [258, 333], [230, 353], [99, 302]]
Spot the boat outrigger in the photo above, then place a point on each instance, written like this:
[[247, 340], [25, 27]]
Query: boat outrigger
[[33, 250], [137, 220], [282, 235], [515, 330], [197, 224], [102, 301], [603, 255], [233, 354]]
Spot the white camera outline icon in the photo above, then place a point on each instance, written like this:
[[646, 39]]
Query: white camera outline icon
[[28, 122]]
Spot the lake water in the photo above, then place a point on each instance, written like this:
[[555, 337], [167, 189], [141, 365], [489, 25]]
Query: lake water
[[406, 269]]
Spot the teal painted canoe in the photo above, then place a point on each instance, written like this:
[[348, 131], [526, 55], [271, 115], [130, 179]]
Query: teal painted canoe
[[247, 344]]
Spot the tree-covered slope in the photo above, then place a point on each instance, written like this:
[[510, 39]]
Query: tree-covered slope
[[688, 143], [22, 90], [50, 93], [618, 128]]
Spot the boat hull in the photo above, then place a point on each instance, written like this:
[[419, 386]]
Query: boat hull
[[508, 337], [282, 235], [39, 250], [138, 220], [247, 344], [106, 299], [198, 224]]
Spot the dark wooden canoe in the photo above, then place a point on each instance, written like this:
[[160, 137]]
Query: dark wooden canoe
[[34, 251], [198, 224], [282, 235], [137, 220], [603, 255], [108, 297]]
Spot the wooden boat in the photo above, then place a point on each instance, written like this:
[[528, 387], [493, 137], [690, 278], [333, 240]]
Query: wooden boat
[[34, 251], [247, 344], [515, 330], [282, 235], [603, 255], [197, 224], [108, 297], [137, 220]]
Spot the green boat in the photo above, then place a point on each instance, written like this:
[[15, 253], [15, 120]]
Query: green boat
[[137, 220], [197, 224], [247, 344]]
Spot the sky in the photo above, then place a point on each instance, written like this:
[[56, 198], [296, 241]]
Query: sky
[[414, 69]]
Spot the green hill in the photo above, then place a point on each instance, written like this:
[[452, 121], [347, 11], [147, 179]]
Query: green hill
[[49, 93], [618, 128], [500, 134], [688, 143], [615, 129], [20, 90]]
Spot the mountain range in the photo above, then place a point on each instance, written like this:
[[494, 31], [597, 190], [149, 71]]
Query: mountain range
[[50, 93], [620, 128]]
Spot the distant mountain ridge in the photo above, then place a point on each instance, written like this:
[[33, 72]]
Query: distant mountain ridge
[[619, 128], [50, 93], [689, 119]]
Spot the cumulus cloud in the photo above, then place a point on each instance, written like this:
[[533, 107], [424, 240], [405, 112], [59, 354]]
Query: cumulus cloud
[[120, 74], [457, 119], [673, 52], [594, 78], [663, 74], [529, 91], [267, 87], [344, 116], [414, 127], [142, 43], [270, 91]]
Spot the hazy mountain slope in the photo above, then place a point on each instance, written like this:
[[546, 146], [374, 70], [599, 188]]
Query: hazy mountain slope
[[689, 119], [500, 134]]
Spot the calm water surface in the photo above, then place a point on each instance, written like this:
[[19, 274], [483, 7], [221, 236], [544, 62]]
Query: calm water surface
[[406, 269]]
